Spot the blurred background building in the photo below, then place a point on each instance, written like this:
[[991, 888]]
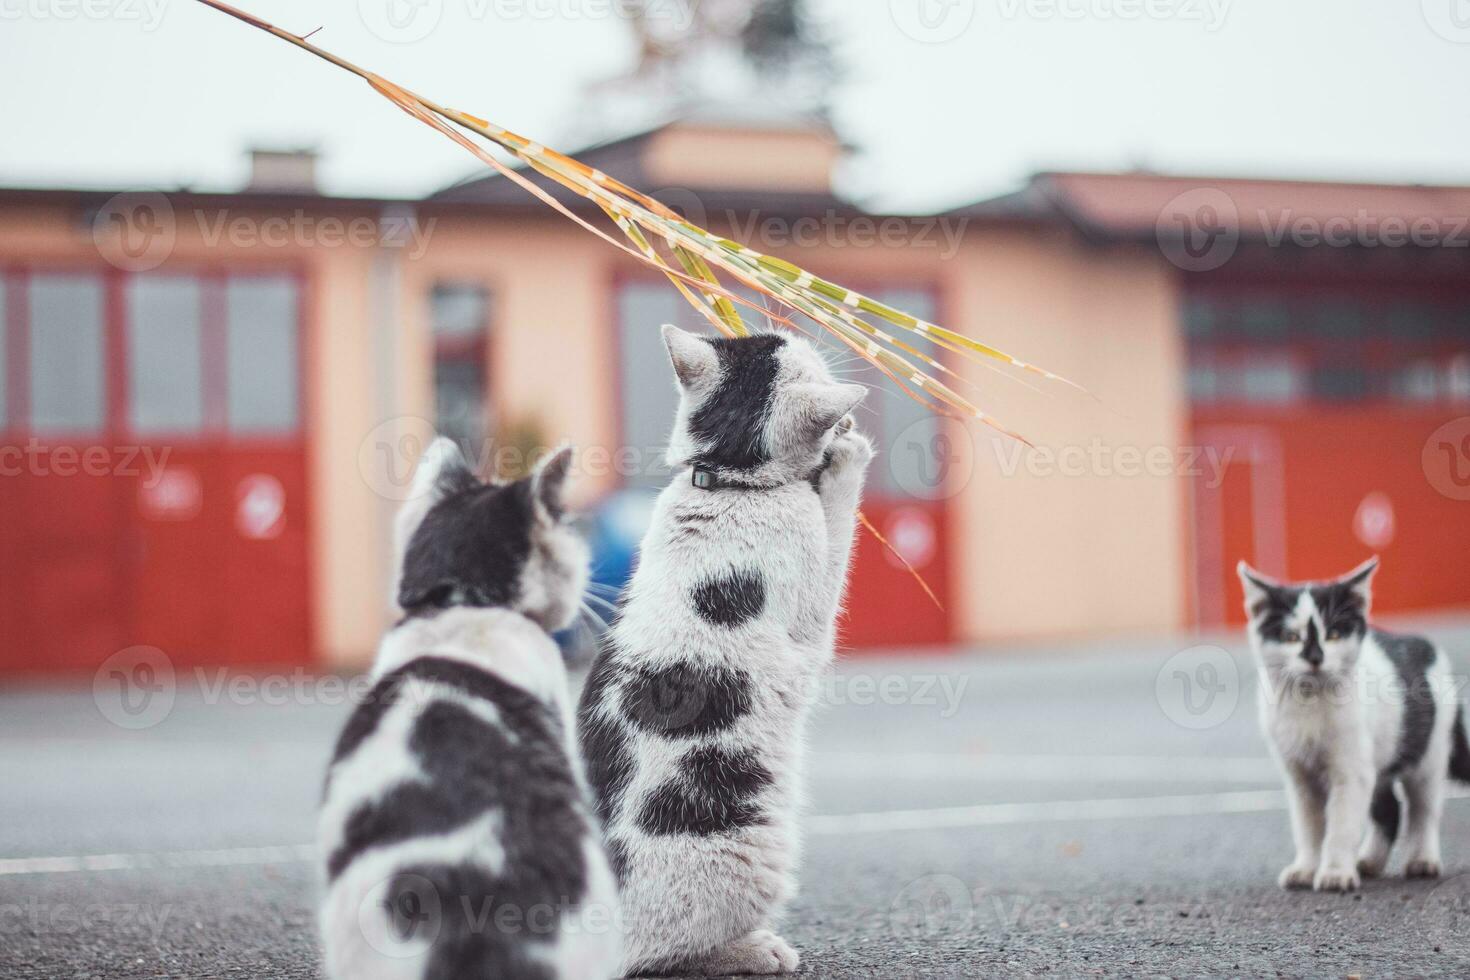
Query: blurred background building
[[210, 403]]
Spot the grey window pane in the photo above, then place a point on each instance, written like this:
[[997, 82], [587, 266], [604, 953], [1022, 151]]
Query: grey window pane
[[459, 397], [261, 355], [4, 345], [458, 310], [908, 433], [166, 380], [66, 354], [649, 393]]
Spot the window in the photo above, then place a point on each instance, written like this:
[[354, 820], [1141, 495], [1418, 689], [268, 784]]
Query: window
[[165, 356], [261, 356], [650, 395], [1334, 347], [67, 380], [460, 317]]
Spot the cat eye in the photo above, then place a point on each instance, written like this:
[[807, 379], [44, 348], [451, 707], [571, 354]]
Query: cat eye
[[1290, 636], [1336, 633]]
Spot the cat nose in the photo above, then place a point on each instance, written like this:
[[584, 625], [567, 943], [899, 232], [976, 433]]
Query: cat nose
[[1312, 654]]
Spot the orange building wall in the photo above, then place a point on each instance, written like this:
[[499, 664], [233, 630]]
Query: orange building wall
[[1052, 551]]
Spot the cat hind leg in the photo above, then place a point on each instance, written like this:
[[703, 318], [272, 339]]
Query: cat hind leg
[[758, 953]]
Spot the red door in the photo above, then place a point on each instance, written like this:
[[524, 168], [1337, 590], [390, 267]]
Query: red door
[[161, 498]]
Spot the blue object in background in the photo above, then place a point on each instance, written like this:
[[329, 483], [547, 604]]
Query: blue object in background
[[614, 529]]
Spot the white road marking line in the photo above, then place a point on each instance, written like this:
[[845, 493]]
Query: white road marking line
[[999, 814], [1056, 811], [218, 858], [1045, 768]]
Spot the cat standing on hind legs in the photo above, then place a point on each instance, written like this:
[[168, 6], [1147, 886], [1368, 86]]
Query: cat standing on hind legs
[[456, 831], [1351, 713], [694, 714]]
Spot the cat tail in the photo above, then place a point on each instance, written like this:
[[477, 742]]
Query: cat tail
[[1459, 749]]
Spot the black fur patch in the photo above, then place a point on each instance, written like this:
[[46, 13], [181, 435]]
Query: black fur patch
[[385, 693], [470, 548], [474, 767], [1460, 749], [1341, 608], [727, 424], [1412, 657], [479, 923], [714, 794], [1385, 809], [604, 740], [734, 598], [684, 700]]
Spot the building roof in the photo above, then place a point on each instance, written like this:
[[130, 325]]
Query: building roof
[[625, 158], [1138, 205]]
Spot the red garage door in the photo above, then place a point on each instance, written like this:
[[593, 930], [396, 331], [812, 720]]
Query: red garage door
[[152, 468]]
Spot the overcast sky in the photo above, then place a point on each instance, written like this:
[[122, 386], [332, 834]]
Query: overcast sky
[[946, 100]]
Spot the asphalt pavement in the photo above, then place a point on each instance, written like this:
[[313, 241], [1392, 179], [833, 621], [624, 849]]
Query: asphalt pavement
[[1099, 809]]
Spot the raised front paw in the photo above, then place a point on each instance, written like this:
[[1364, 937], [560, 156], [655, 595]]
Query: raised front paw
[[1297, 875], [1337, 878], [847, 457], [1422, 867]]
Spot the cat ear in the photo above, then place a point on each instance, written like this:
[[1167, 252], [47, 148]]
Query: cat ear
[[693, 358], [438, 466], [441, 468], [1257, 586], [548, 484], [1360, 580], [822, 406]]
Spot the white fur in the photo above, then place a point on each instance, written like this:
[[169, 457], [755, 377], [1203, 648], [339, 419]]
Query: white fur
[[706, 903], [589, 943], [1333, 732], [513, 645]]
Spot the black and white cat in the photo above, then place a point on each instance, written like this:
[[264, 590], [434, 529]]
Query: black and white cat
[[1352, 712], [692, 719], [456, 832]]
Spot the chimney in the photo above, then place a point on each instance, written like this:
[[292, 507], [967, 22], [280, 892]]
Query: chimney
[[282, 171]]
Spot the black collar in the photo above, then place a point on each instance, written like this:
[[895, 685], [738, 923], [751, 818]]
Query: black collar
[[705, 479]]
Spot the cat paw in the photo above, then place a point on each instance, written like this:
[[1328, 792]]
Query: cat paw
[[1371, 867], [1337, 879], [759, 953], [1422, 868], [1296, 875], [847, 456]]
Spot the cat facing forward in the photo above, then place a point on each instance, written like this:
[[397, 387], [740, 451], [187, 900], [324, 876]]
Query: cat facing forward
[[456, 831], [692, 719], [1352, 713]]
